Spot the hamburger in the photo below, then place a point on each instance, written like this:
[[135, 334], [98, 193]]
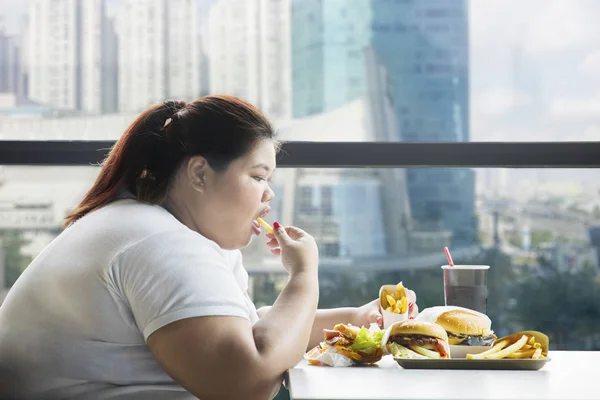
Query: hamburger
[[360, 345], [463, 326], [416, 339]]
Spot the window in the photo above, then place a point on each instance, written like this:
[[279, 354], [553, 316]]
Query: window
[[383, 227], [407, 73]]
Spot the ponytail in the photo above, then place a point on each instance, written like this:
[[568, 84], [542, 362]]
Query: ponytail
[[142, 161]]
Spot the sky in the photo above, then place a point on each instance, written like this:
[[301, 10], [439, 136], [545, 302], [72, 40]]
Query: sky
[[535, 70]]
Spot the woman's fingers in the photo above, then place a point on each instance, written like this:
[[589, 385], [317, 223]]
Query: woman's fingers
[[276, 251], [272, 243]]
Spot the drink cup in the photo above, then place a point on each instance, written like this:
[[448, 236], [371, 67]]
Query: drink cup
[[466, 286]]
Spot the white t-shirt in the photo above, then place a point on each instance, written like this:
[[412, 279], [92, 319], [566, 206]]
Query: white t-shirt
[[75, 324]]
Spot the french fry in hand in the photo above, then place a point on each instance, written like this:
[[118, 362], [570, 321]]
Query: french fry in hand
[[391, 300], [265, 225], [400, 291], [394, 301]]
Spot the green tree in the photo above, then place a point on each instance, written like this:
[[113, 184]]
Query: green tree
[[515, 240], [351, 288], [563, 304], [539, 237], [266, 288], [15, 261]]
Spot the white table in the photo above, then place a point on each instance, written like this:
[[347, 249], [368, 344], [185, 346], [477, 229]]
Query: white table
[[569, 375]]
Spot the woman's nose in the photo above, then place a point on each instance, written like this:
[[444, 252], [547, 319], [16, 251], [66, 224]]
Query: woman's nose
[[268, 196]]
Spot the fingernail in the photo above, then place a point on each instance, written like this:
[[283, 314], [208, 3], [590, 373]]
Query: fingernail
[[410, 305], [276, 225]]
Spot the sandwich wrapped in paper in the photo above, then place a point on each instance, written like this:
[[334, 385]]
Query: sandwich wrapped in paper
[[346, 345], [416, 339], [464, 326]]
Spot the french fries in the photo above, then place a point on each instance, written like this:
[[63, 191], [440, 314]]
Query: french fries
[[265, 225], [395, 302], [522, 345]]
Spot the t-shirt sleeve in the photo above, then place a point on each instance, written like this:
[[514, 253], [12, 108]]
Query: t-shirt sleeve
[[176, 275]]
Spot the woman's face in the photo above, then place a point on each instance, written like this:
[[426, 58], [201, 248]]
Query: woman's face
[[224, 205]]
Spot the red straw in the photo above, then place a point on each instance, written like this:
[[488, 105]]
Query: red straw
[[448, 256]]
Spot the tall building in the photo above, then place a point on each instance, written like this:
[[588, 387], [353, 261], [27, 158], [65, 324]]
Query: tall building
[[11, 73], [249, 53], [334, 205], [159, 52], [329, 40], [65, 48], [110, 67], [424, 48]]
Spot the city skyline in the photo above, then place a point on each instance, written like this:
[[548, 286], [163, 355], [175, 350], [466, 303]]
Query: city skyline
[[508, 102], [509, 106]]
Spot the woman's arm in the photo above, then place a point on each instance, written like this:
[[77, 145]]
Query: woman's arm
[[327, 319], [225, 357]]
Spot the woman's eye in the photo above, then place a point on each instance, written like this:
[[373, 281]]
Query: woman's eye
[[259, 178]]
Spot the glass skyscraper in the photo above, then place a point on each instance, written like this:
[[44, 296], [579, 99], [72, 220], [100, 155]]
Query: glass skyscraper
[[424, 45]]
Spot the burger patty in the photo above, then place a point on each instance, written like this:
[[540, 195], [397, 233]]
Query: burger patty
[[419, 340], [335, 337], [339, 340]]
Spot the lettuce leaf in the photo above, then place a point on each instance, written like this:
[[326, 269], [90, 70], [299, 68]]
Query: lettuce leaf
[[368, 341]]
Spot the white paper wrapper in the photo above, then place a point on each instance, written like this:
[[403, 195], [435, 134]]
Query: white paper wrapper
[[389, 317], [431, 314], [329, 357]]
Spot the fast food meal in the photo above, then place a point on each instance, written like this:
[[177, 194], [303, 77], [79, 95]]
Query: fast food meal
[[526, 344], [347, 344], [416, 339], [464, 326], [265, 225], [394, 300]]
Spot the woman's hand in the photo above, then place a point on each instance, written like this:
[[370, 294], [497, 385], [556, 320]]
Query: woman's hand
[[297, 248], [371, 312]]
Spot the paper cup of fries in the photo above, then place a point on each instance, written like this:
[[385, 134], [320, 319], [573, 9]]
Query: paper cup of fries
[[522, 345], [394, 304]]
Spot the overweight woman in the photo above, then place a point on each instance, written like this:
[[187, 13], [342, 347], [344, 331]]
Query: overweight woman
[[144, 295]]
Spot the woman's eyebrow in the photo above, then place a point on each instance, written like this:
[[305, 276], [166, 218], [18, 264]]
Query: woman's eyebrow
[[263, 166]]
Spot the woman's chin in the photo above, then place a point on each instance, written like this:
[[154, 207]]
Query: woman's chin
[[241, 241]]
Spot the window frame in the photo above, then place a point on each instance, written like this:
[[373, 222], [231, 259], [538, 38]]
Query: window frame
[[298, 154]]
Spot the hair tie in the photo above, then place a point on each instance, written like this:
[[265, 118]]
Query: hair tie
[[169, 120]]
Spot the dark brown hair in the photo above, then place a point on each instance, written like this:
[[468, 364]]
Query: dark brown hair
[[148, 154]]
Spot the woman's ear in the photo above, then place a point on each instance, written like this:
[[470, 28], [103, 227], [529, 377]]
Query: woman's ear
[[196, 171]]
